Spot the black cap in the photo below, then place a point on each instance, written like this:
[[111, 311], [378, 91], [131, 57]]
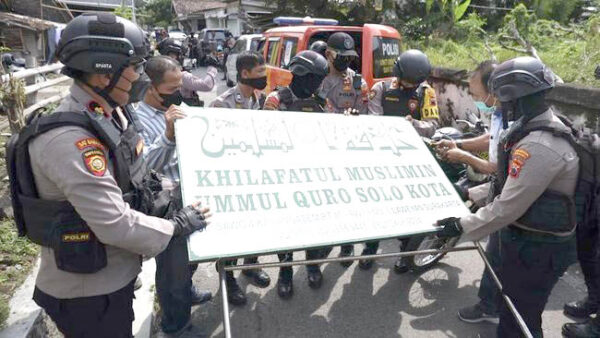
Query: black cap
[[342, 43]]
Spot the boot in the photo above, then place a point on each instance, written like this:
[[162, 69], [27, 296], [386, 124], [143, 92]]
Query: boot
[[589, 329], [235, 295], [259, 277], [581, 308], [366, 264], [315, 277], [346, 251], [285, 286]]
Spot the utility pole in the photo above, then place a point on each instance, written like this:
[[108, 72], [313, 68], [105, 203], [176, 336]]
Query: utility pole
[[133, 12]]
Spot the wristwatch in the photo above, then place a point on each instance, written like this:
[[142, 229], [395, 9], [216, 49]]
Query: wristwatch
[[459, 144]]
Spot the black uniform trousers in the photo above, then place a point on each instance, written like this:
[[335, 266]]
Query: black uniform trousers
[[101, 316], [286, 272], [587, 254], [530, 267], [173, 285]]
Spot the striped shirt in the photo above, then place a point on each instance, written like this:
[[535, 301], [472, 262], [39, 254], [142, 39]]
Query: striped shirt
[[159, 152]]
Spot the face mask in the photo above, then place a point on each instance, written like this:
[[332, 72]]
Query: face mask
[[341, 64], [170, 99], [305, 86], [484, 109], [259, 83], [139, 88]]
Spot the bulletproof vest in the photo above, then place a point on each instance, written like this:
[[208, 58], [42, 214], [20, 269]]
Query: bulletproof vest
[[56, 224], [553, 211], [398, 102], [310, 104]]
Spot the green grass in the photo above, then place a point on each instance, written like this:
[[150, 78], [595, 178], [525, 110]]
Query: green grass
[[17, 256]]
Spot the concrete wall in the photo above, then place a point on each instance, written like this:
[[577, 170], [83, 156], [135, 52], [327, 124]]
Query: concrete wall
[[582, 104]]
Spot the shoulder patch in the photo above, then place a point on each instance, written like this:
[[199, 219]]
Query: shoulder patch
[[95, 162], [238, 98], [519, 157], [89, 142]]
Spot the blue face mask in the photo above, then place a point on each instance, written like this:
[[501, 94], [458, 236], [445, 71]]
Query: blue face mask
[[484, 109]]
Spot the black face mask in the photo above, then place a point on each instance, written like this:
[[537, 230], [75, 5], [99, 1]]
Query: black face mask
[[341, 64], [139, 88], [305, 86], [174, 98], [259, 83]]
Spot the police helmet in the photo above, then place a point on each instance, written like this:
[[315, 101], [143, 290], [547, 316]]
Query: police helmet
[[101, 43], [309, 62], [520, 77], [319, 46], [412, 66], [170, 45]]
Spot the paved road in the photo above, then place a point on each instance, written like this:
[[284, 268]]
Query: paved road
[[375, 303]]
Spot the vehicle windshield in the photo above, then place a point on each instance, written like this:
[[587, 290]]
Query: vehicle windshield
[[385, 53], [216, 35]]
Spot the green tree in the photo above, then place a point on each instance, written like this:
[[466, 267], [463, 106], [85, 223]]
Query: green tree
[[124, 12], [157, 13]]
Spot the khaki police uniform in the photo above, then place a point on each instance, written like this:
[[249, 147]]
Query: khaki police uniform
[[339, 92], [531, 259], [234, 99], [69, 163], [424, 110]]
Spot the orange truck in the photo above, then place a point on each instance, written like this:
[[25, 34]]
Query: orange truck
[[378, 47]]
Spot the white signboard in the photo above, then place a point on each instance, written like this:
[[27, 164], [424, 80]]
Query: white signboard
[[279, 181]]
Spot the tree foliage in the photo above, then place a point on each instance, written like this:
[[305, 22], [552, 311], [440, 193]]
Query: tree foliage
[[124, 12], [157, 13]]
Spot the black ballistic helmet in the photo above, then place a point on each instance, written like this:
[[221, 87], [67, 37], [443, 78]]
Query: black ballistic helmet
[[170, 45], [101, 43], [309, 62], [520, 77], [319, 46], [412, 66]]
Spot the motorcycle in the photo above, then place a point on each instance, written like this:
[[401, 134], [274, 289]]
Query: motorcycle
[[463, 178]]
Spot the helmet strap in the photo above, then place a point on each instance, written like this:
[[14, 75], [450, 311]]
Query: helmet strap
[[105, 92]]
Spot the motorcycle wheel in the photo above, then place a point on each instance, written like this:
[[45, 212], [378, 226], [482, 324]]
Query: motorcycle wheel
[[422, 262]]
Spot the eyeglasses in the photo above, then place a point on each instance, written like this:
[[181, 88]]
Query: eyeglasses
[[138, 66]]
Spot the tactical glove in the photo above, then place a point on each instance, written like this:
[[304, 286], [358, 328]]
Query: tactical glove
[[188, 220], [449, 227]]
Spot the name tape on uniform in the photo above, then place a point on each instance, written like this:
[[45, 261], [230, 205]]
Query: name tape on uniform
[[280, 181]]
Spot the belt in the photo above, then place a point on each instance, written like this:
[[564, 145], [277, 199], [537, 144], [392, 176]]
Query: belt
[[538, 236]]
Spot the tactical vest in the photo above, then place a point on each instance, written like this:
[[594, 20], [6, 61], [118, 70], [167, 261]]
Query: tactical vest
[[56, 224], [553, 212], [310, 105], [397, 102]]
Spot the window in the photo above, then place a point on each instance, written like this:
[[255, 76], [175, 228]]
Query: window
[[272, 51], [385, 53], [240, 46], [290, 45], [261, 45], [255, 43]]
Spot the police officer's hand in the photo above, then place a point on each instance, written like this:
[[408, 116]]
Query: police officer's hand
[[351, 111], [449, 227], [189, 219], [444, 145], [455, 155], [173, 113]]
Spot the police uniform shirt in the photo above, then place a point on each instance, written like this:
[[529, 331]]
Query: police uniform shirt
[[538, 162], [339, 92], [429, 109], [69, 163], [191, 83], [234, 99]]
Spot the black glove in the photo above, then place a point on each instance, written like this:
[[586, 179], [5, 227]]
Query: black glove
[[450, 227], [188, 220]]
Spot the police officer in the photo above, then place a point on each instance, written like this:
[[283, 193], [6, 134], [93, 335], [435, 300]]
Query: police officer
[[343, 89], [320, 47], [77, 179], [191, 83], [537, 172], [252, 76], [308, 71], [406, 95]]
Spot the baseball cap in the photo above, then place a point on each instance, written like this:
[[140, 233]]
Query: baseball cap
[[342, 43]]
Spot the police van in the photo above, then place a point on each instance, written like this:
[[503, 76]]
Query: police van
[[378, 47]]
